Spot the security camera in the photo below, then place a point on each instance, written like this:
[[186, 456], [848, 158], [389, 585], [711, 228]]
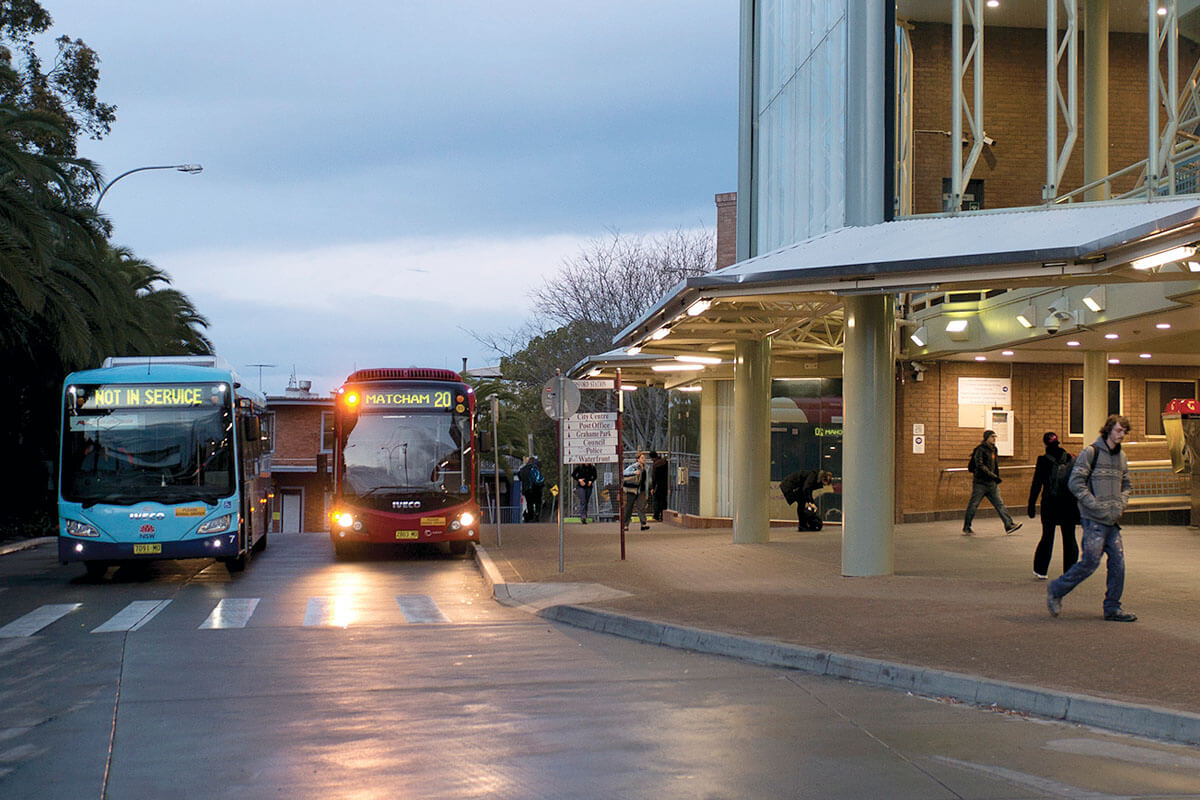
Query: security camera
[[918, 366], [989, 141], [1052, 324]]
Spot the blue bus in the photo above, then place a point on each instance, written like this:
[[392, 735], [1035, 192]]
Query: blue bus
[[162, 457]]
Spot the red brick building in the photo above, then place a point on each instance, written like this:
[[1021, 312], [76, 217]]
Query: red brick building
[[301, 435]]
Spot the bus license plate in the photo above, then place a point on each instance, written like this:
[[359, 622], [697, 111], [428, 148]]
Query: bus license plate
[[406, 534], [146, 549]]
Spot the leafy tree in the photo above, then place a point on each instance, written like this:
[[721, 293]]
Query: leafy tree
[[594, 295]]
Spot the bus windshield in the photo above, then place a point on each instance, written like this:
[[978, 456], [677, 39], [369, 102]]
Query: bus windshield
[[129, 455], [410, 455]]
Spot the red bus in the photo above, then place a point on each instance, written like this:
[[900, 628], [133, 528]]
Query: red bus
[[404, 459]]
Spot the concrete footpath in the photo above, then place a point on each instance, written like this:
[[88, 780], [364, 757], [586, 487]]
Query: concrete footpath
[[962, 617]]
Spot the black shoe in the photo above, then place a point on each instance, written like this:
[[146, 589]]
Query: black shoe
[[1120, 616], [583, 521], [645, 527], [1013, 529], [968, 532]]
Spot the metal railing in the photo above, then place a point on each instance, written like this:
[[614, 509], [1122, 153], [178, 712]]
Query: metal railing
[[1152, 480]]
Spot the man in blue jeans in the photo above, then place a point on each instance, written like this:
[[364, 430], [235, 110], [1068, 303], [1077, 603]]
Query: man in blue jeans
[[1100, 481]]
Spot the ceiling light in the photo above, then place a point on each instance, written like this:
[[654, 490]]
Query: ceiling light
[[1194, 266], [1027, 316], [699, 307], [1114, 361], [956, 329], [595, 372], [993, 3], [1072, 343], [676, 367], [699, 359], [1162, 11], [690, 388], [633, 351], [661, 333], [1163, 326], [1112, 336], [628, 387], [1007, 353], [981, 358], [1095, 299], [1165, 257], [920, 337], [1144, 355]]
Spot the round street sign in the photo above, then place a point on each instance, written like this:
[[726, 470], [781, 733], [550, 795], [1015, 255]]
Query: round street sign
[[570, 400]]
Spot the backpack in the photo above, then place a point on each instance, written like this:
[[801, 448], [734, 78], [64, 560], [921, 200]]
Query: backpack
[[1056, 481], [535, 475], [971, 462]]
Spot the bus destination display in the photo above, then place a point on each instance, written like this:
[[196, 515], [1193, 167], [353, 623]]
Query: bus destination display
[[112, 396], [407, 397]]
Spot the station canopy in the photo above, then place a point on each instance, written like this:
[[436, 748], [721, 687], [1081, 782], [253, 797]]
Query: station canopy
[[795, 294]]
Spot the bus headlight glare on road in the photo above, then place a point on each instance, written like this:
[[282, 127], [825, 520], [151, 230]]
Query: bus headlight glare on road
[[81, 529], [216, 524]]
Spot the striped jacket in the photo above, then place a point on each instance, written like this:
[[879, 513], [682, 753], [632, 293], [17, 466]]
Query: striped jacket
[[1103, 490]]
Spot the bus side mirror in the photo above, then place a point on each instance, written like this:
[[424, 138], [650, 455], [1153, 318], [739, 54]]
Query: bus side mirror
[[251, 429]]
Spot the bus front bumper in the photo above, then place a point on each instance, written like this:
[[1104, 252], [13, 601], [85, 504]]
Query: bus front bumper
[[71, 548]]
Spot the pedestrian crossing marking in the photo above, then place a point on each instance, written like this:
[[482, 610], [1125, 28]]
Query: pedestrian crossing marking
[[133, 616], [329, 612], [420, 608], [231, 612], [37, 619], [337, 611]]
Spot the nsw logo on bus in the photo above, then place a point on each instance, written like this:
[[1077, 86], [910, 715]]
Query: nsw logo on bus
[[147, 531]]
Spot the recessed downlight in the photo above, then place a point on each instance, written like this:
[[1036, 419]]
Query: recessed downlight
[[1112, 336], [1073, 343], [1163, 326]]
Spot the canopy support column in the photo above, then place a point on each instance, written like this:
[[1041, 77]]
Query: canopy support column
[[751, 440], [868, 436], [1095, 394]]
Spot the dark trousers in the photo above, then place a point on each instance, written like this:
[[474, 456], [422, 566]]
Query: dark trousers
[[635, 499], [584, 495], [1045, 547], [660, 502], [533, 505]]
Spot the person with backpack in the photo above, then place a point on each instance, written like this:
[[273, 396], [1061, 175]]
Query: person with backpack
[[531, 488], [1100, 481], [1050, 479], [986, 474], [637, 481]]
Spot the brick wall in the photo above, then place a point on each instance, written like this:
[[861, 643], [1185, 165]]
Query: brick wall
[[297, 442], [1041, 402], [1014, 113]]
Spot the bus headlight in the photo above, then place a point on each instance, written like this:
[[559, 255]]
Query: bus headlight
[[81, 529], [467, 519], [216, 525], [343, 519]]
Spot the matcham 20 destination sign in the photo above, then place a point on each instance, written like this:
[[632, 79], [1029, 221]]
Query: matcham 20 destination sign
[[590, 438]]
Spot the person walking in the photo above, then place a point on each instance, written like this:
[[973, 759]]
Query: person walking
[[531, 488], [986, 473], [584, 476], [636, 483], [1100, 481], [658, 463], [1051, 476]]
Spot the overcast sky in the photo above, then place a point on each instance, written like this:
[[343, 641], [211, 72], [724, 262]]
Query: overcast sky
[[383, 176]]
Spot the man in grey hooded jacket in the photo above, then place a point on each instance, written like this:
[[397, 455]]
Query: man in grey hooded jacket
[[1100, 481]]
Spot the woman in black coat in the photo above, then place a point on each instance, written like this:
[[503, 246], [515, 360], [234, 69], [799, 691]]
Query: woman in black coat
[[1058, 505]]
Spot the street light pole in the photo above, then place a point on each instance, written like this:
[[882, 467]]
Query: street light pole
[[190, 169]]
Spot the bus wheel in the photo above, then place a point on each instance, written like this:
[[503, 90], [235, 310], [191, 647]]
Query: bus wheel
[[236, 564], [261, 544], [458, 548], [95, 569]]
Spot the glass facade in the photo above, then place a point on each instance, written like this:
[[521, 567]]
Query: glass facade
[[800, 104], [806, 426]]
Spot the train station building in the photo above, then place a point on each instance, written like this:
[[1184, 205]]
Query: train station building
[[950, 217]]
